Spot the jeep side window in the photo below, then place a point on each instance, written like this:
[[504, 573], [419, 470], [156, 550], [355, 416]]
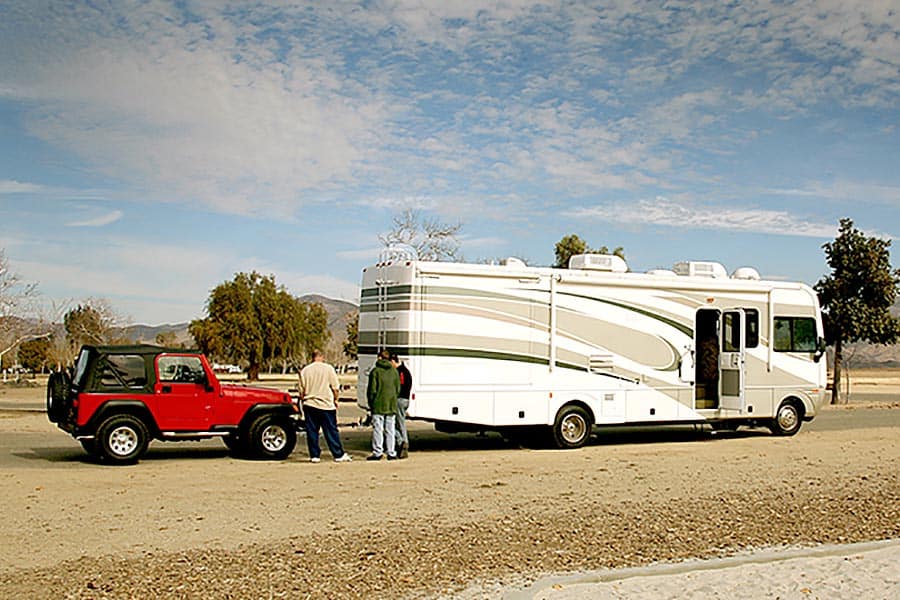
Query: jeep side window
[[180, 369], [123, 370]]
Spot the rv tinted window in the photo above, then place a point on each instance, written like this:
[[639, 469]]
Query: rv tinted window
[[123, 370], [795, 334], [752, 327]]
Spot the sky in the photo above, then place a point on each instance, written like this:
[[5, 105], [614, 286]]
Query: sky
[[150, 150]]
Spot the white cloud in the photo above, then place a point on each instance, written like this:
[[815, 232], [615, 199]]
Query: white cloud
[[663, 212], [98, 221], [9, 186], [851, 191]]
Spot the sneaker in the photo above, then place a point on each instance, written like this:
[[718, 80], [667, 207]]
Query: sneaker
[[374, 457], [344, 458], [315, 459], [392, 457]]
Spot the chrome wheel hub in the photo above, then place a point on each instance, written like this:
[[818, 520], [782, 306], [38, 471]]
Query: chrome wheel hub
[[274, 438], [123, 441], [787, 417], [573, 428]]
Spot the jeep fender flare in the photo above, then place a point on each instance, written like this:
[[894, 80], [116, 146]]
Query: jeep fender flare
[[135, 408], [286, 410]]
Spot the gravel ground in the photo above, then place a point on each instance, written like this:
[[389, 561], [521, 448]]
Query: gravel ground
[[433, 525]]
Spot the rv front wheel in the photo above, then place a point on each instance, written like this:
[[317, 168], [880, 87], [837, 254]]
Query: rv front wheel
[[787, 420], [572, 427]]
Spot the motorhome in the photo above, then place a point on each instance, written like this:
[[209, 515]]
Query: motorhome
[[522, 349]]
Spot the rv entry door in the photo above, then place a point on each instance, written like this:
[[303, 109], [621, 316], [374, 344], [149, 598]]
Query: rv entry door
[[731, 360]]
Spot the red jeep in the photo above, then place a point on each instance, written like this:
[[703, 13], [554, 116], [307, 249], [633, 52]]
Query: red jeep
[[121, 397]]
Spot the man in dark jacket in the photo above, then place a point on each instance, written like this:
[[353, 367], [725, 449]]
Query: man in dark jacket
[[402, 405], [382, 392]]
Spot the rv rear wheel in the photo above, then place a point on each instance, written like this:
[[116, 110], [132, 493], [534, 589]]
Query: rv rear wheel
[[787, 420], [572, 428]]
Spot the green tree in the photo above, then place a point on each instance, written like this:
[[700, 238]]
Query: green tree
[[34, 355], [570, 245], [351, 344], [252, 319], [314, 333], [858, 294]]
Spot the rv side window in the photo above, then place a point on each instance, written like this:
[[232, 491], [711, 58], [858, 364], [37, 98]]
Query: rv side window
[[731, 340], [752, 327], [795, 334]]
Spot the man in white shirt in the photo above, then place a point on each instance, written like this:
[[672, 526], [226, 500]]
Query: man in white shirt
[[319, 390]]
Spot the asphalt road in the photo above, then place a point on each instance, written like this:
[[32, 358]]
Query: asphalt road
[[56, 449]]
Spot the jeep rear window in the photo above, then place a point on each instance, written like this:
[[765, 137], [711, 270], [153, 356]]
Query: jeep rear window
[[123, 370], [80, 368]]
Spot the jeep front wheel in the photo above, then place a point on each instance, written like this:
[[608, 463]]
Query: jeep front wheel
[[272, 437], [122, 439]]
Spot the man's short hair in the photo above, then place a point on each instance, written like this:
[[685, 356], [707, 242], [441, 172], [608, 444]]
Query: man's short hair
[[316, 354], [385, 355], [394, 357]]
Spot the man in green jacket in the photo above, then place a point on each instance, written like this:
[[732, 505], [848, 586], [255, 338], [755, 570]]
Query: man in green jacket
[[382, 392]]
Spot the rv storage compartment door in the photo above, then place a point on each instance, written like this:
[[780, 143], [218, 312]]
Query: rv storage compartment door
[[731, 360]]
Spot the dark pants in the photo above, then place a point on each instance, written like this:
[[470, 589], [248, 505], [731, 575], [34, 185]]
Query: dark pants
[[326, 420]]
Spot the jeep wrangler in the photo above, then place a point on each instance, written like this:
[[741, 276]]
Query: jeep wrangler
[[118, 398]]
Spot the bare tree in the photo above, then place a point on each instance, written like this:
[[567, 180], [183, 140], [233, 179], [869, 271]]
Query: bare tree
[[432, 239], [18, 305]]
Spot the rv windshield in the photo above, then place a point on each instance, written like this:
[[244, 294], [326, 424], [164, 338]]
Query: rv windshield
[[80, 368]]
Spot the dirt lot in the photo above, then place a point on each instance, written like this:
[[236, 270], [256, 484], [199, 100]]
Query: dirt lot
[[193, 521]]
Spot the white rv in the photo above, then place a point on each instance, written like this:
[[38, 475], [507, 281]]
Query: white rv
[[515, 348]]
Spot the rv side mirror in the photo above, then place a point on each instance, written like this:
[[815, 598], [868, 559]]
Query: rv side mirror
[[820, 349]]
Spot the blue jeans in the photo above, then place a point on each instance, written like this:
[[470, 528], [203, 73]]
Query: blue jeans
[[402, 407], [326, 420], [383, 434]]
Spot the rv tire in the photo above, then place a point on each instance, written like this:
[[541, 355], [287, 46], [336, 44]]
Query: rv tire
[[572, 427], [787, 419]]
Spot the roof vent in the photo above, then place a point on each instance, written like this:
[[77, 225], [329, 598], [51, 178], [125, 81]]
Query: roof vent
[[661, 272], [697, 268], [746, 273], [512, 261], [598, 262]]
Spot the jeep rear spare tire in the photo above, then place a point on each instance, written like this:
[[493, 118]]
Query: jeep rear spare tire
[[272, 437], [122, 439], [57, 396]]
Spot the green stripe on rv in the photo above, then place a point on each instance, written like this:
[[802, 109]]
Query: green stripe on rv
[[484, 354]]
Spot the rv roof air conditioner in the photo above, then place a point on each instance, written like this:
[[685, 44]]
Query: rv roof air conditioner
[[746, 273], [598, 262], [694, 268]]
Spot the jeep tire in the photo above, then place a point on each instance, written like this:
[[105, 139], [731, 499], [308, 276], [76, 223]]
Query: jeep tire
[[57, 396], [272, 437], [235, 444], [122, 439]]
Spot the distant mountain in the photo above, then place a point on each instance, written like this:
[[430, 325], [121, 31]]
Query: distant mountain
[[339, 313], [873, 356]]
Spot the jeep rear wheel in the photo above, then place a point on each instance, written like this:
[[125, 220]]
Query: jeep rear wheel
[[122, 439], [272, 437]]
